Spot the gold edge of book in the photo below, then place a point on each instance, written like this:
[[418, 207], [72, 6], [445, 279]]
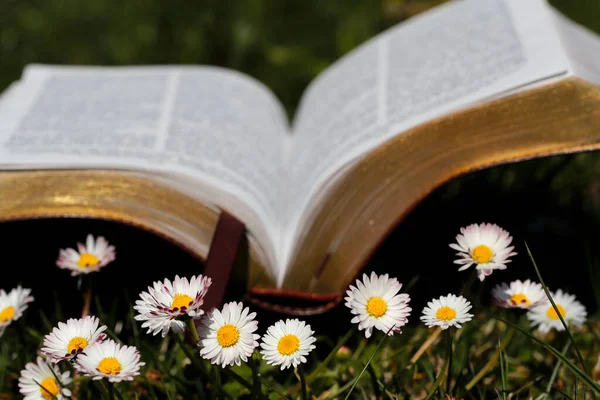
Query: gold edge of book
[[122, 196], [373, 196]]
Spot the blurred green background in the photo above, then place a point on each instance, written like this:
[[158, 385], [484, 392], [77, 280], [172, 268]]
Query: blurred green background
[[553, 203], [284, 44]]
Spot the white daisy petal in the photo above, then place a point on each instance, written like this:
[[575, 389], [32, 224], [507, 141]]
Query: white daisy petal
[[109, 360], [226, 336], [447, 311], [12, 305], [167, 303], [544, 316], [68, 340], [519, 294], [286, 343], [486, 246], [377, 304], [43, 381], [88, 258]]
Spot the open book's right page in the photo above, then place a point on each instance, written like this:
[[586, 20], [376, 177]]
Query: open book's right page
[[461, 53]]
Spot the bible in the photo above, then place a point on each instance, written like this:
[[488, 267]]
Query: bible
[[466, 85]]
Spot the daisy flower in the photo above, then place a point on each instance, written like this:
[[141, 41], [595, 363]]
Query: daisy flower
[[166, 305], [66, 341], [227, 337], [447, 311], [545, 317], [287, 343], [375, 302], [519, 294], [40, 381], [12, 305], [486, 245], [86, 259], [110, 360]]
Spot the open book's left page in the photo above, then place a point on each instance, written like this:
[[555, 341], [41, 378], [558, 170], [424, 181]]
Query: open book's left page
[[211, 133]]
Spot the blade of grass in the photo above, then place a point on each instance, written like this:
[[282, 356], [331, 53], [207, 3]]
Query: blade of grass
[[438, 380], [562, 320], [327, 360], [563, 394], [368, 362], [578, 372], [424, 347], [109, 390], [243, 382], [502, 370], [330, 356], [272, 389], [44, 388], [376, 387], [491, 363], [118, 393], [555, 371]]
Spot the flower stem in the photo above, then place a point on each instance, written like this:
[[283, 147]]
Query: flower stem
[[469, 283], [87, 296], [109, 390], [242, 381], [193, 331], [256, 382], [449, 337], [303, 382]]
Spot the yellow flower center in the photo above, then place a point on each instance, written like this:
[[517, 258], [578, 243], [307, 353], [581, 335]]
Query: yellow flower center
[[551, 313], [49, 388], [87, 260], [7, 314], [181, 300], [76, 345], [288, 345], [228, 335], [482, 254], [518, 299], [109, 366], [376, 307], [445, 313]]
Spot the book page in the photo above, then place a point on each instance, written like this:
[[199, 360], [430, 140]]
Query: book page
[[214, 125], [458, 54]]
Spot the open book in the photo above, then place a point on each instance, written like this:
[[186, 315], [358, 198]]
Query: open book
[[466, 85]]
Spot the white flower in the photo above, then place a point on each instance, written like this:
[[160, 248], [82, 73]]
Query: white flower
[[68, 340], [486, 245], [519, 294], [12, 305], [165, 305], [287, 343], [376, 304], [110, 360], [447, 311], [39, 381], [90, 258], [227, 337], [572, 311]]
